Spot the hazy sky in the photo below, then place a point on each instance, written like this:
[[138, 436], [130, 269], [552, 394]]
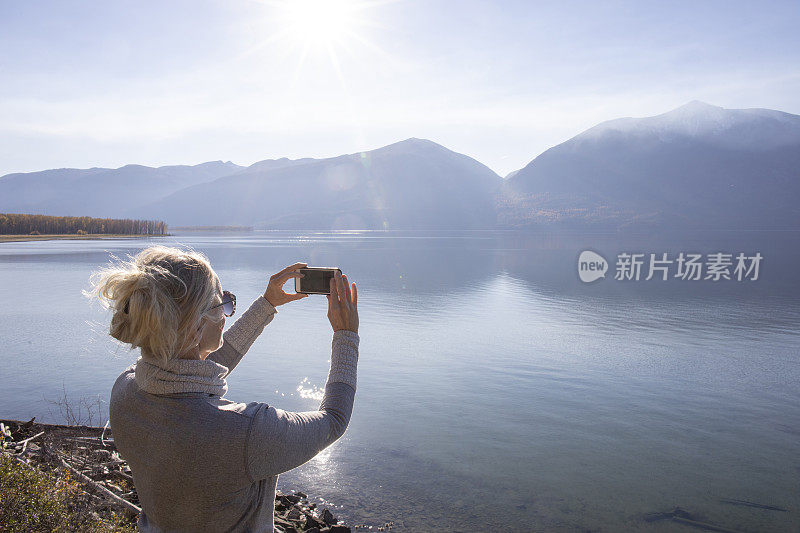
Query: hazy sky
[[108, 83]]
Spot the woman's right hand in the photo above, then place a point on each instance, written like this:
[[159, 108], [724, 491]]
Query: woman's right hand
[[343, 304]]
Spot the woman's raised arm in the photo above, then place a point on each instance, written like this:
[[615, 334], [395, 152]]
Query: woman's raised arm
[[281, 440]]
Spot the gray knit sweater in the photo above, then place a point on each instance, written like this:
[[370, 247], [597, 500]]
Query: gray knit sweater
[[201, 462]]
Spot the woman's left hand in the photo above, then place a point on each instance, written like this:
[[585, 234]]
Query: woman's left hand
[[275, 294]]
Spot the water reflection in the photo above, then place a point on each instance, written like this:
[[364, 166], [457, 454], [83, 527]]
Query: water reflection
[[310, 391], [493, 384]]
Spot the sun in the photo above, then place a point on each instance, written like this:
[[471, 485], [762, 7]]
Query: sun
[[320, 22], [319, 28]]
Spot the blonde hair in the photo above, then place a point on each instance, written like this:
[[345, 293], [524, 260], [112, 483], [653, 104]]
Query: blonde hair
[[159, 298]]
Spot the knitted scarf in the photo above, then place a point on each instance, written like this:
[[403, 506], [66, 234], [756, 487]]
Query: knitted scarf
[[181, 375]]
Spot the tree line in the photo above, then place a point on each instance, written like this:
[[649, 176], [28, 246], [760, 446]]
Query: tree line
[[21, 224]]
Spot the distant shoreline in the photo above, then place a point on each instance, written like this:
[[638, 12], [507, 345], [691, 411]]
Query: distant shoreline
[[211, 228], [74, 236]]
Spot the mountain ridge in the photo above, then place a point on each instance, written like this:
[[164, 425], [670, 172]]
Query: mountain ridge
[[697, 165], [362, 190], [100, 192]]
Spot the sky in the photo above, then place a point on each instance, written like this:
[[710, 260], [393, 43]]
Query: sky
[[104, 84]]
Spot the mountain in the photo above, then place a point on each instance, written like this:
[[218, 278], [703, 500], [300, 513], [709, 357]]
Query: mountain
[[696, 167], [412, 184], [101, 192]]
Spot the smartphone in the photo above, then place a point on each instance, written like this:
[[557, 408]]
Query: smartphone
[[315, 280]]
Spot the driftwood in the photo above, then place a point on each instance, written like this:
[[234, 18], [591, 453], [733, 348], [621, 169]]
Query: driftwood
[[26, 441], [128, 507], [18, 459], [84, 451], [103, 434], [703, 525], [745, 503], [682, 516]]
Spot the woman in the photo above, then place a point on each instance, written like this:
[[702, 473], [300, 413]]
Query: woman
[[201, 462]]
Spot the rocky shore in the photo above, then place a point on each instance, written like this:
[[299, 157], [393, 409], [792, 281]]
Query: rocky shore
[[88, 455]]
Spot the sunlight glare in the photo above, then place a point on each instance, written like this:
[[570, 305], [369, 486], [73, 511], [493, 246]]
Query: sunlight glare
[[320, 22]]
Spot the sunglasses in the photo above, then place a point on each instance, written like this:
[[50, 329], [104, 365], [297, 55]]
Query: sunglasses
[[228, 303]]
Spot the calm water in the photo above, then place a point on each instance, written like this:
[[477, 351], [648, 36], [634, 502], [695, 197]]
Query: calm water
[[494, 386]]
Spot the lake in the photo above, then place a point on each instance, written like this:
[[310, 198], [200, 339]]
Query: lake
[[495, 389]]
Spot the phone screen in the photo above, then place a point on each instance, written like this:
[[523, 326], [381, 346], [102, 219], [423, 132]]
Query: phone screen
[[316, 280]]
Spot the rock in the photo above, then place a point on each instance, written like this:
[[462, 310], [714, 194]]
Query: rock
[[292, 514], [328, 517], [677, 512], [282, 521], [312, 523], [287, 528], [682, 513]]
